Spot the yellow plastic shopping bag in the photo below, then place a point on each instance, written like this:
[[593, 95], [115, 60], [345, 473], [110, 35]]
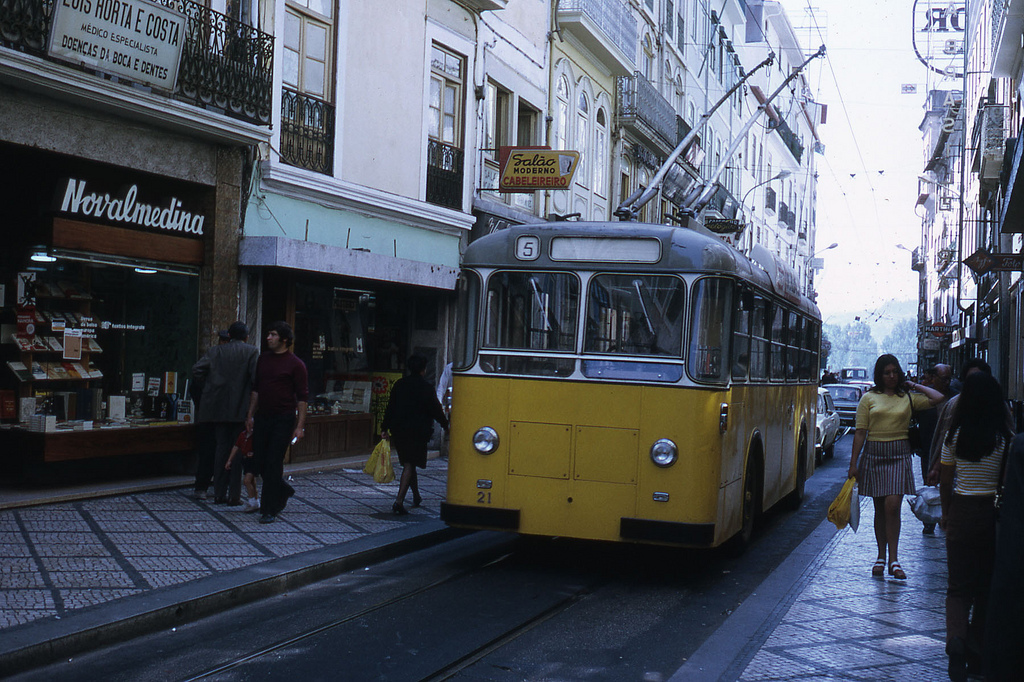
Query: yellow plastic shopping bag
[[839, 510], [371, 464], [384, 472]]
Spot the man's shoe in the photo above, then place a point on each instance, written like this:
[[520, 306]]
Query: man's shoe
[[251, 505], [234, 503], [198, 494], [288, 492], [220, 500], [929, 529], [268, 518]]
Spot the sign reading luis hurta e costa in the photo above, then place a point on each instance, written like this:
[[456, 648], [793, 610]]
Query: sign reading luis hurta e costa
[[136, 39], [527, 169]]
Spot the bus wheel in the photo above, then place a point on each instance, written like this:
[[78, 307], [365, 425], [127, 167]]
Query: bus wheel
[[751, 508], [795, 498]]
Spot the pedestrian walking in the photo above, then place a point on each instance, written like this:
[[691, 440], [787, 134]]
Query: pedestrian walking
[[1004, 626], [227, 372], [939, 378], [884, 472], [971, 466], [408, 421], [241, 453], [277, 416]]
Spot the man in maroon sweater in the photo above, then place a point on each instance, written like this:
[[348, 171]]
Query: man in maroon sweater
[[277, 415]]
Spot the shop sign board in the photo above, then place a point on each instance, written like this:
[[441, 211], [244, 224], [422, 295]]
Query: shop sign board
[[981, 261], [528, 169], [167, 213], [135, 39], [939, 27], [941, 330]]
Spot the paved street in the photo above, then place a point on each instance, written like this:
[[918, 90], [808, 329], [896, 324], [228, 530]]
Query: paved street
[[820, 616]]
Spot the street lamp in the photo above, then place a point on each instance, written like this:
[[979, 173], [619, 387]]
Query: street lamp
[[811, 257]]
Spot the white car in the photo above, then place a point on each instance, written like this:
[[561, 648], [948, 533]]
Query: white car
[[826, 430]]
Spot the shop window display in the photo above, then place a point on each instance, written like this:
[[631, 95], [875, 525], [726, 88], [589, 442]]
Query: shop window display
[[99, 344]]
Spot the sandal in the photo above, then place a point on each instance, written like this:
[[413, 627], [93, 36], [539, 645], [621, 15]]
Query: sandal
[[879, 568], [896, 571]]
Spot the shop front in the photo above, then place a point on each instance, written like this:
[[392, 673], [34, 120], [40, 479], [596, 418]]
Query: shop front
[[100, 301]]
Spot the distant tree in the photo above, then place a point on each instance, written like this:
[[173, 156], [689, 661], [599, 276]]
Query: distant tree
[[902, 342], [852, 346]]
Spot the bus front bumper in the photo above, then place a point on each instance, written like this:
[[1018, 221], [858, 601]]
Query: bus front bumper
[[480, 517]]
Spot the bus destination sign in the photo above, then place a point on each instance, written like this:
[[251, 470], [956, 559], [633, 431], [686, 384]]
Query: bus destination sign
[[528, 169]]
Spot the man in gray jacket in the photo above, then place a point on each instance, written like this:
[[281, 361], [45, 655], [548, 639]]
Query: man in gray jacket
[[227, 372]]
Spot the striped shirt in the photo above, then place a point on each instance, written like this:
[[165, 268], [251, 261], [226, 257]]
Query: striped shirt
[[974, 478]]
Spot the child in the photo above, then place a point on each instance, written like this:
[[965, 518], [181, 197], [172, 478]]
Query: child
[[243, 448]]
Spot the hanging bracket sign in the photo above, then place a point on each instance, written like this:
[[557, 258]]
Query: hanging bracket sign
[[135, 39], [527, 169], [981, 261]]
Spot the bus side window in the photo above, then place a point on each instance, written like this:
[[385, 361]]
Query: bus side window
[[795, 355], [741, 334], [760, 333], [813, 346], [709, 329], [778, 352]]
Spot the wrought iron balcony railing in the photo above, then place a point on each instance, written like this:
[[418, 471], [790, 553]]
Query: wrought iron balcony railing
[[724, 203], [612, 18], [444, 174], [307, 132], [642, 108], [769, 199], [917, 259], [225, 64], [790, 139]]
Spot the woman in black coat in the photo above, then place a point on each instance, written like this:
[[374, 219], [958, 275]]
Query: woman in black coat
[[408, 423]]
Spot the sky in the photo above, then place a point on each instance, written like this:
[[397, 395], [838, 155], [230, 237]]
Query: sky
[[867, 185]]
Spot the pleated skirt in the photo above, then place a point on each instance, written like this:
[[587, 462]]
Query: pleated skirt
[[885, 468]]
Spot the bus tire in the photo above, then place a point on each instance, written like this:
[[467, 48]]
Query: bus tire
[[751, 508], [795, 498]]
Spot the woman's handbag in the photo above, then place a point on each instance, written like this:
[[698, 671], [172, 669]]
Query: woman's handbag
[[841, 511], [914, 430]]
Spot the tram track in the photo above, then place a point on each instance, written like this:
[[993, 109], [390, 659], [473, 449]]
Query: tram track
[[457, 661]]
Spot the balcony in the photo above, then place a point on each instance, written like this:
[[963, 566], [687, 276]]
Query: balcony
[[724, 203], [444, 174], [226, 66], [605, 27], [784, 214], [643, 110], [769, 199], [790, 139], [307, 132]]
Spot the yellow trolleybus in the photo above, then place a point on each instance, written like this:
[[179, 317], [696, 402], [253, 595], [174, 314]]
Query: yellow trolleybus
[[628, 382]]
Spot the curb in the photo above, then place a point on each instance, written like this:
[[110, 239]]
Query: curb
[[36, 644]]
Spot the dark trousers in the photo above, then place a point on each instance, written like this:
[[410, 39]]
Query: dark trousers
[[205, 447], [271, 436], [226, 484], [970, 556]]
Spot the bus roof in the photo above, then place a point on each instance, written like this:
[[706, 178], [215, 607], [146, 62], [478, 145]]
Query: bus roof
[[637, 247]]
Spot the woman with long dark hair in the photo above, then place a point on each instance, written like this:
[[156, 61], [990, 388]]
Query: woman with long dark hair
[[881, 460], [969, 475]]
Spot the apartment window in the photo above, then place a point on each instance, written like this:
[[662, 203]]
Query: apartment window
[[444, 152], [648, 62], [526, 125], [583, 138], [601, 154], [679, 95], [562, 133], [308, 46], [307, 73], [670, 15], [680, 31], [498, 123], [446, 83]]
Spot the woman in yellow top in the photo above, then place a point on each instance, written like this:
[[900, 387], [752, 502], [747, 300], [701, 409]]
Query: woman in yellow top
[[884, 472]]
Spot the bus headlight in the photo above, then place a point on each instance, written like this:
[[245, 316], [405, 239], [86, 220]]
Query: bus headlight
[[664, 452], [485, 440]]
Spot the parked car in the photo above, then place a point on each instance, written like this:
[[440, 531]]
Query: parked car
[[845, 397], [826, 431]]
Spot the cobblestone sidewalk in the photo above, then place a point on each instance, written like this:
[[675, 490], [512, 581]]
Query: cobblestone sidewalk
[[845, 625], [60, 557]]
